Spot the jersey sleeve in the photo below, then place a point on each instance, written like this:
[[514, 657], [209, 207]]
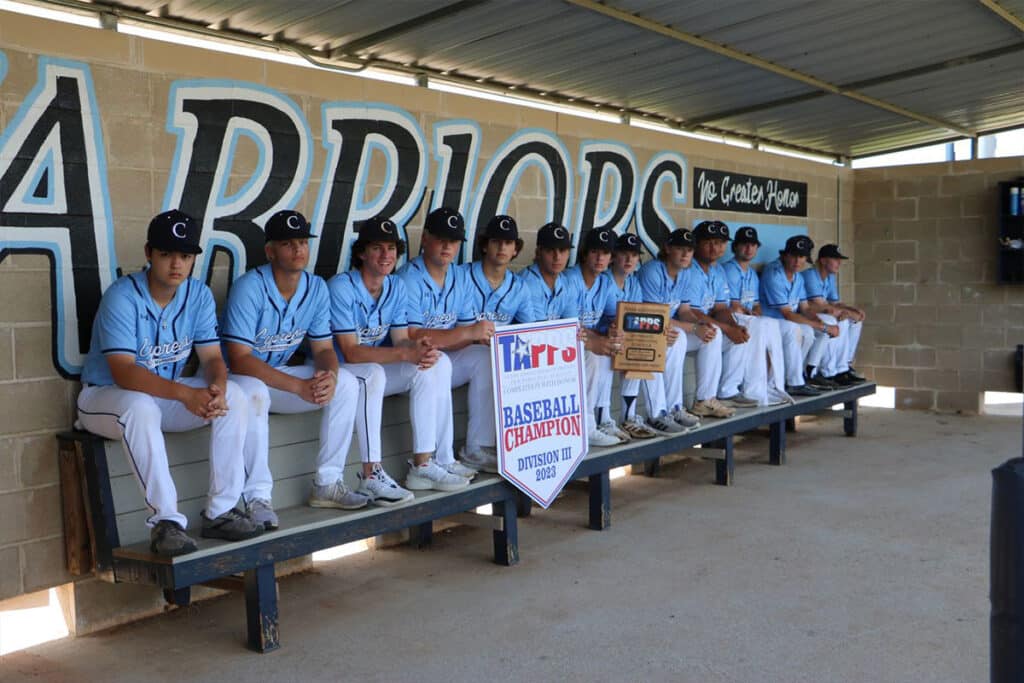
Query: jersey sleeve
[[722, 290], [320, 323], [206, 317], [832, 290], [116, 323], [773, 289], [415, 306], [241, 314], [529, 309], [650, 288], [812, 284], [343, 305], [400, 310], [755, 286], [734, 280]]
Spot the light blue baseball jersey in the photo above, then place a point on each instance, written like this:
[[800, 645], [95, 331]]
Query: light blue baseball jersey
[[704, 290], [433, 307], [815, 286], [595, 302], [509, 303], [657, 287], [629, 291], [258, 316], [130, 322], [777, 290], [744, 285], [355, 311], [553, 304]]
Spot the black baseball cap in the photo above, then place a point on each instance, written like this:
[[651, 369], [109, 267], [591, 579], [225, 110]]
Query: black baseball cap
[[553, 236], [501, 227], [746, 235], [801, 245], [599, 238], [680, 237], [378, 229], [831, 251], [174, 231], [628, 242], [287, 225], [446, 223], [708, 230]]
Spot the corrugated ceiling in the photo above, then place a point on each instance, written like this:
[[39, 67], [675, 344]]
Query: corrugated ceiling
[[936, 70]]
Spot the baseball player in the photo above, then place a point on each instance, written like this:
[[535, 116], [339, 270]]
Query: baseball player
[[597, 298], [746, 309], [784, 298], [663, 281], [545, 278], [438, 309], [368, 308], [706, 300], [823, 294], [271, 310], [132, 389], [625, 260]]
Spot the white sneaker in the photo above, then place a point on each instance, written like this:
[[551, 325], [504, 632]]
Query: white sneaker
[[481, 458], [431, 476], [381, 489], [599, 439], [685, 418], [665, 424], [612, 429], [458, 469]]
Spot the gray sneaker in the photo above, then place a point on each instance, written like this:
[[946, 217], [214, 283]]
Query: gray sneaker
[[167, 538], [381, 489], [230, 526], [431, 476], [262, 513], [459, 469], [685, 418], [665, 424], [481, 458], [337, 496]]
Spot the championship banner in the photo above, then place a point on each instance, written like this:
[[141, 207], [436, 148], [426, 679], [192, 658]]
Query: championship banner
[[539, 405]]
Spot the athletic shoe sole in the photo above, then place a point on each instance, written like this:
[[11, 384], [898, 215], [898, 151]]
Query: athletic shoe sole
[[421, 484], [334, 505]]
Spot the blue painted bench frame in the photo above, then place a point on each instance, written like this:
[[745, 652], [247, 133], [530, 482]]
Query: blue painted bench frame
[[713, 434], [249, 566]]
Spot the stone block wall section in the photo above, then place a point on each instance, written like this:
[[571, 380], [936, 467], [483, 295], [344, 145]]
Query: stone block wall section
[[940, 330], [132, 79]]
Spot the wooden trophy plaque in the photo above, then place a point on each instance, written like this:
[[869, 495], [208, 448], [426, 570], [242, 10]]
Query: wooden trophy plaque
[[645, 328]]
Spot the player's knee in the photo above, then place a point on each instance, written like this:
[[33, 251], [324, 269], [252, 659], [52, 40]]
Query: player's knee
[[235, 397], [346, 386], [142, 411]]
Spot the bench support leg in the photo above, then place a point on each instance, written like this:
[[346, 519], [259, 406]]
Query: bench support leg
[[180, 597], [777, 443], [652, 467], [524, 504], [506, 539], [600, 501], [790, 424], [850, 418], [724, 468], [421, 535], [261, 608]]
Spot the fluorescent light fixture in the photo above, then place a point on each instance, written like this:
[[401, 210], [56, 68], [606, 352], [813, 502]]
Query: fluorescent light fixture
[[88, 19], [382, 75], [821, 159], [488, 94], [663, 128]]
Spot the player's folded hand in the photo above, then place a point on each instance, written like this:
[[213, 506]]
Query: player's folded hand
[[672, 332], [217, 406], [323, 384]]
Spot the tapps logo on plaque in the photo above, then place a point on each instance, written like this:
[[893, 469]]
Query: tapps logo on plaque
[[539, 405]]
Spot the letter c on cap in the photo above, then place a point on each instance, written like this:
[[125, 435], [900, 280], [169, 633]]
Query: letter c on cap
[[176, 227], [503, 224], [293, 222], [603, 236], [387, 227], [453, 222], [558, 233]]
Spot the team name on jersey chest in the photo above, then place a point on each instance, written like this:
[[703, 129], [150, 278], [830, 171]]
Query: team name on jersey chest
[[154, 355]]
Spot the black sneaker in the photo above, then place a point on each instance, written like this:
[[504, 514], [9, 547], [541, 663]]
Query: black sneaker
[[822, 383], [842, 380], [856, 376], [169, 539], [802, 390], [231, 526]]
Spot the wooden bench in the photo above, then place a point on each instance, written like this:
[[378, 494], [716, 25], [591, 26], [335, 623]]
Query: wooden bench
[[714, 436], [105, 513]]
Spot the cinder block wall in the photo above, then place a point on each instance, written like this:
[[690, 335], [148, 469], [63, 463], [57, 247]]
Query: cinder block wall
[[132, 79], [939, 330]]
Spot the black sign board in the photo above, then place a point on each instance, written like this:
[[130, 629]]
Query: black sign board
[[725, 191]]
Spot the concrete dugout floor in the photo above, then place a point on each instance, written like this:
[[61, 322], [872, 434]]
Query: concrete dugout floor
[[861, 560]]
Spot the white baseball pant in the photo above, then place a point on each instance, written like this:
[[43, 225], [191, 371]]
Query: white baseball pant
[[430, 404], [850, 330], [797, 340], [335, 426], [771, 332], [138, 420], [746, 363], [827, 352], [664, 393], [472, 365], [597, 378], [709, 363]]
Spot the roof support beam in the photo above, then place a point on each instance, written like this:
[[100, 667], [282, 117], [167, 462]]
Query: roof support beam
[[1005, 14], [351, 48], [859, 85], [764, 64]]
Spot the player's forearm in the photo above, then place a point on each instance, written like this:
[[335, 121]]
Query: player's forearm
[[378, 354], [326, 359], [252, 366], [801, 319], [136, 378], [446, 340], [215, 370]]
